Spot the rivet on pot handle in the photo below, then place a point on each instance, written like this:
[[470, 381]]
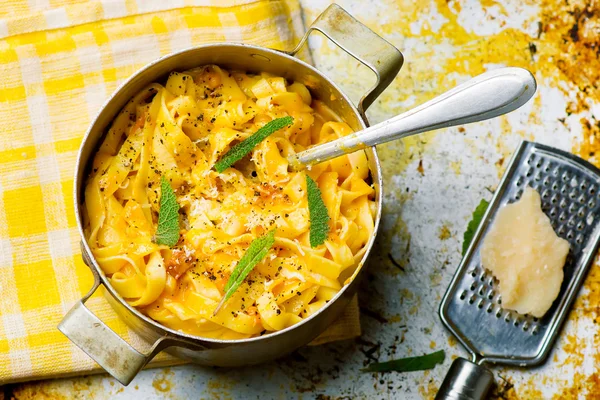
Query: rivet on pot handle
[[361, 43], [101, 343]]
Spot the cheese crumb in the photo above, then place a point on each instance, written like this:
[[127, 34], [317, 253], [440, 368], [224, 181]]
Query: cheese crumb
[[526, 256]]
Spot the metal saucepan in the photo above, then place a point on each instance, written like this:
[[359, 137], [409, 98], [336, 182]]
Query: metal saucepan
[[115, 355]]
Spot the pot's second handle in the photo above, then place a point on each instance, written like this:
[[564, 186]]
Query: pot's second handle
[[466, 381], [102, 344], [361, 43]]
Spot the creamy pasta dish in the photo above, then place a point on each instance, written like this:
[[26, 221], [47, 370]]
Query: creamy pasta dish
[[179, 131]]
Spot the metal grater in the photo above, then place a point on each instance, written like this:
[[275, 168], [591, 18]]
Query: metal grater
[[472, 308]]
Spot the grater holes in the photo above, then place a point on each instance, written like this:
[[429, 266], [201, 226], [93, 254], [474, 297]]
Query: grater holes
[[537, 177], [535, 330], [562, 216], [579, 239], [591, 203], [573, 182], [563, 190], [489, 309], [473, 286], [546, 181], [565, 177], [463, 295], [529, 172], [556, 171], [526, 326], [563, 203], [498, 314], [583, 186], [553, 212], [580, 225], [516, 323], [592, 190], [518, 195], [581, 212], [480, 304], [507, 318], [472, 299], [570, 235]]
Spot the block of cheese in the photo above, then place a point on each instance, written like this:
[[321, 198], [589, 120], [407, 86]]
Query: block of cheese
[[526, 256]]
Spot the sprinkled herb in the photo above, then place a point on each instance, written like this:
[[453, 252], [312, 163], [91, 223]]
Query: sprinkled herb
[[473, 224], [319, 218], [420, 363], [238, 151], [167, 232], [257, 250]]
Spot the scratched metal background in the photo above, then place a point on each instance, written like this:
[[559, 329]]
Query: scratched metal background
[[433, 183]]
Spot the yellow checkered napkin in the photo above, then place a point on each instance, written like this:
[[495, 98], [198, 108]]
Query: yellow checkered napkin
[[57, 67]]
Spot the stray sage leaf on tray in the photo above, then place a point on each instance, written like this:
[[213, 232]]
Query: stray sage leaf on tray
[[473, 224], [419, 363]]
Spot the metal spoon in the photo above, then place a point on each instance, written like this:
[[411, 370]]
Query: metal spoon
[[486, 96]]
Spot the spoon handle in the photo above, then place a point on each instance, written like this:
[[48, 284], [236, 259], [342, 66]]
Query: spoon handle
[[486, 96]]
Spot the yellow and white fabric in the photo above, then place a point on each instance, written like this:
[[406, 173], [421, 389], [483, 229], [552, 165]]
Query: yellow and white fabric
[[59, 62]]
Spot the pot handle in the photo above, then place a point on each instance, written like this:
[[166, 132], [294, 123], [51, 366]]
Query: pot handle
[[361, 43], [101, 343]]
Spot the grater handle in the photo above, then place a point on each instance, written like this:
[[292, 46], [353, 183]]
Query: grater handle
[[466, 381]]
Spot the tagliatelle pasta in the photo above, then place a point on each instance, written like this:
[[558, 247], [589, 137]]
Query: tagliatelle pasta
[[179, 131]]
